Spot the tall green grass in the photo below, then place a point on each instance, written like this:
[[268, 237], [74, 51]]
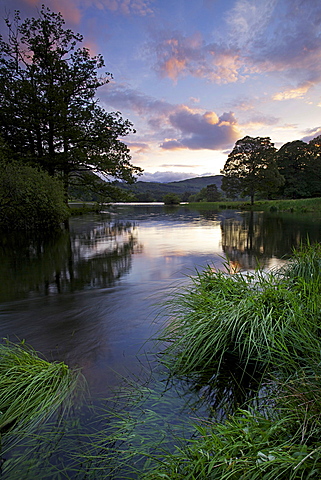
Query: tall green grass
[[32, 388], [267, 319], [33, 392]]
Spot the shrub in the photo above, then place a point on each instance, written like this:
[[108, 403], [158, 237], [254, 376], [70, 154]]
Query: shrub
[[171, 199], [30, 199]]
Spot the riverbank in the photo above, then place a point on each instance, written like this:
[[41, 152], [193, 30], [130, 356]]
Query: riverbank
[[251, 343], [304, 205]]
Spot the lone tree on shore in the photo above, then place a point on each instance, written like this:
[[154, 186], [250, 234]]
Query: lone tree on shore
[[49, 115], [251, 168]]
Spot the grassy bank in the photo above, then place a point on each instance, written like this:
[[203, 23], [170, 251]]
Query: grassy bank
[[263, 331], [297, 206], [81, 208]]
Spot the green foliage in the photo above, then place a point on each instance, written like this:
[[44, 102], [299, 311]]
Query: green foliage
[[292, 160], [266, 323], [171, 199], [247, 446], [30, 199], [251, 168], [31, 388], [269, 320], [297, 206], [33, 391], [49, 112], [300, 165], [210, 193]]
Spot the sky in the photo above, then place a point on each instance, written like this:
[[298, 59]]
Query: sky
[[195, 76]]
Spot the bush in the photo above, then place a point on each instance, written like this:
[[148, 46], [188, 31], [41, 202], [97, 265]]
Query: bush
[[30, 199], [171, 199]]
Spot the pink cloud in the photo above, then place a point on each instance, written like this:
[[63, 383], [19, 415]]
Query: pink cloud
[[202, 131], [175, 126], [138, 147], [261, 36], [70, 10], [178, 55]]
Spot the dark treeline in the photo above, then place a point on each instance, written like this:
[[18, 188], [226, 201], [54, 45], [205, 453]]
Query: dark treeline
[[256, 168], [253, 169]]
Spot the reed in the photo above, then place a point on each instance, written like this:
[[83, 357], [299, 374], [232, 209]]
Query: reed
[[34, 393], [268, 319]]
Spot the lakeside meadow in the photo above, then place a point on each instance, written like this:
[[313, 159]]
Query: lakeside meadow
[[304, 205]]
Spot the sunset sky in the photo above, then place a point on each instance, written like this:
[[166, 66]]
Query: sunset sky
[[194, 76]]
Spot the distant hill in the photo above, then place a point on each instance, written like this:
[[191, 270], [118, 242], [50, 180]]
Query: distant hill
[[155, 191]]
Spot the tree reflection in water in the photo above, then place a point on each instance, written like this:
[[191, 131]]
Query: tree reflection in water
[[252, 239], [67, 261]]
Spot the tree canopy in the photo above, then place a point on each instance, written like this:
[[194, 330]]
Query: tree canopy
[[251, 168], [292, 160], [49, 113], [171, 199]]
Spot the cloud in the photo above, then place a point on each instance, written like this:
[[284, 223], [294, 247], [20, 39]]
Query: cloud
[[311, 134], [248, 18], [291, 93], [259, 120], [126, 7], [259, 36], [279, 36], [72, 9], [138, 147], [121, 96], [175, 126], [181, 55], [202, 131]]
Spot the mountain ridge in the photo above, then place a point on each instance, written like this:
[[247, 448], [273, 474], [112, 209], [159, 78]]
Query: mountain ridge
[[155, 191]]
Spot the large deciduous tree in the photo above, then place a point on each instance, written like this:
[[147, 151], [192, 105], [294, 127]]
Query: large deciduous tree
[[251, 168], [292, 159], [314, 167], [49, 113], [300, 165]]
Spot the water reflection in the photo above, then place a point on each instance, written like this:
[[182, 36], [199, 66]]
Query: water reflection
[[67, 262], [90, 296], [252, 239]]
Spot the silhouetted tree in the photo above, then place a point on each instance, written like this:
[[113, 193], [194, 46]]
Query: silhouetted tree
[[49, 115], [292, 160], [251, 168]]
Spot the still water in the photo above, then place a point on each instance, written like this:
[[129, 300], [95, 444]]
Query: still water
[[91, 296]]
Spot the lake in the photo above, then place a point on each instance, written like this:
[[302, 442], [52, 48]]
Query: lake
[[92, 296]]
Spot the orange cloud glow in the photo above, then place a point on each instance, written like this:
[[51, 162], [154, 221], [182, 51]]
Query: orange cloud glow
[[292, 93]]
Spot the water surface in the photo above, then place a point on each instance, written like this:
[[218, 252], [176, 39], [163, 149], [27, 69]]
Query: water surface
[[91, 296]]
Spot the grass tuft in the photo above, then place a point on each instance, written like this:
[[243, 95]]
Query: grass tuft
[[33, 392]]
